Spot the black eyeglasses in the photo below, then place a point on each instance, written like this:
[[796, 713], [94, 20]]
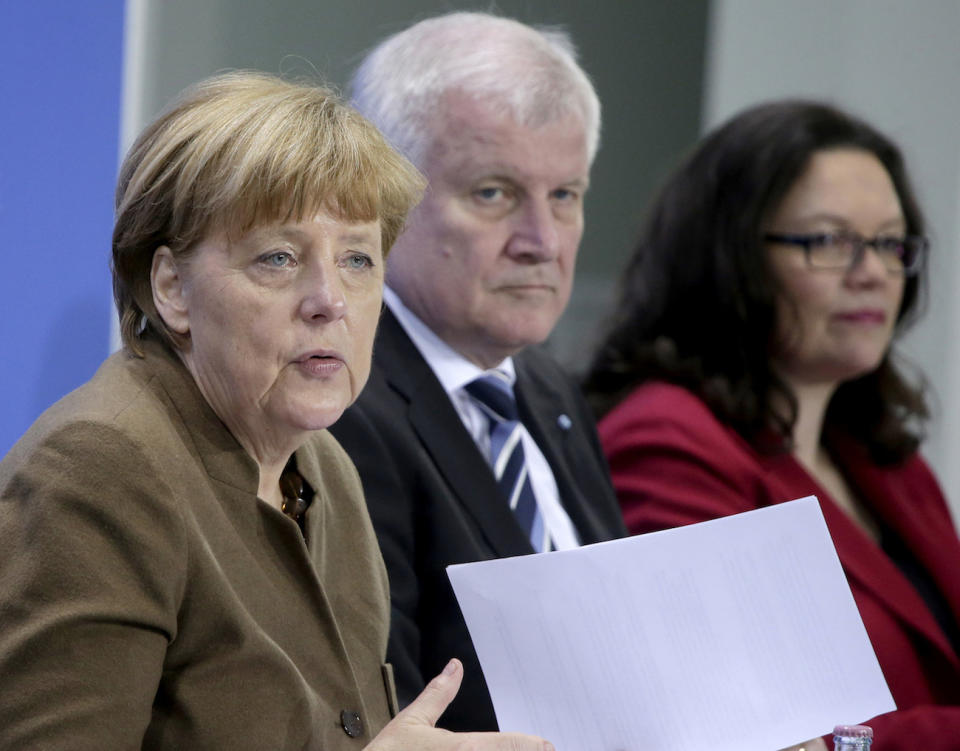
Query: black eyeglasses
[[842, 251]]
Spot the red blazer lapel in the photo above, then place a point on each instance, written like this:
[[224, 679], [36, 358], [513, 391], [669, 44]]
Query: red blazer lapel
[[896, 498], [907, 498]]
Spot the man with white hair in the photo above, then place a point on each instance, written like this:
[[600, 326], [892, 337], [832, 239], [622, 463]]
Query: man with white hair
[[472, 444]]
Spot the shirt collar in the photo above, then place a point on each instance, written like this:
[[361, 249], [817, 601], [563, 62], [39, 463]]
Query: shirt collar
[[453, 370]]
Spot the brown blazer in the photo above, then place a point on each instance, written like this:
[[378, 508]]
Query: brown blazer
[[149, 599]]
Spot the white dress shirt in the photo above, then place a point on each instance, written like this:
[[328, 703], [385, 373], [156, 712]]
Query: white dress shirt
[[454, 372]]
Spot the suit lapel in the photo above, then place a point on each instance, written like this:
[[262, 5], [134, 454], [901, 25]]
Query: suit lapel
[[443, 435], [554, 431]]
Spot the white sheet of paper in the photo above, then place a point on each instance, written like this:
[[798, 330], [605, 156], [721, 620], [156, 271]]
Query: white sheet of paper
[[738, 633]]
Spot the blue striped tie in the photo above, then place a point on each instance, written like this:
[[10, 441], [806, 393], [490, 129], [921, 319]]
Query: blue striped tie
[[494, 395]]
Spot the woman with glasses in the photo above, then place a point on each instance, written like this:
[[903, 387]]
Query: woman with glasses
[[749, 363]]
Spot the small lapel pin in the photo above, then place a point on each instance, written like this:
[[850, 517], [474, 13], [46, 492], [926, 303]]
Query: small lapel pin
[[564, 422]]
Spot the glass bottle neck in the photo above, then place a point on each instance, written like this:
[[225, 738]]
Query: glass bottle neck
[[841, 743]]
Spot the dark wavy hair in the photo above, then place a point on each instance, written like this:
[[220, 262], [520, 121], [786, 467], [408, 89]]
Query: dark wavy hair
[[697, 301]]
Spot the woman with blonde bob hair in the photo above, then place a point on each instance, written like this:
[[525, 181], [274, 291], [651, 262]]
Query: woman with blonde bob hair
[[187, 560]]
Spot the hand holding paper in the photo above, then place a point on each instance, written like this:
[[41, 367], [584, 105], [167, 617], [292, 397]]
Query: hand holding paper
[[414, 727]]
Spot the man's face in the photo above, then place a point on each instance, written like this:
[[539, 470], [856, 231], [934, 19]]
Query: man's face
[[488, 257]]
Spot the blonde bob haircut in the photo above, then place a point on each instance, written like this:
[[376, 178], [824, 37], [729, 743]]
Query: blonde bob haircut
[[237, 151]]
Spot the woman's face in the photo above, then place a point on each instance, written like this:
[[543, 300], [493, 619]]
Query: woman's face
[[833, 324], [280, 324]]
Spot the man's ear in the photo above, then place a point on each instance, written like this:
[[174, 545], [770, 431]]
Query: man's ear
[[167, 283]]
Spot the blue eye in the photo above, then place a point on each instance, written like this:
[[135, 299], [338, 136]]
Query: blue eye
[[489, 193], [359, 261], [278, 259]]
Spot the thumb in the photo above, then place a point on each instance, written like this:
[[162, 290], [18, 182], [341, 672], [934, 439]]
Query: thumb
[[434, 699]]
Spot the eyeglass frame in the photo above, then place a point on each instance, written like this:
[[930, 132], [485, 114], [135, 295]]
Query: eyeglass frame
[[860, 243]]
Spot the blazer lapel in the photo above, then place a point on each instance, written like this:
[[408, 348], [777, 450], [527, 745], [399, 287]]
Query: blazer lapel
[[928, 534], [443, 435], [862, 559]]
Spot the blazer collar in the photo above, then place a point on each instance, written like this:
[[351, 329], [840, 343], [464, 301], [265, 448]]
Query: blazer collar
[[222, 456], [225, 460]]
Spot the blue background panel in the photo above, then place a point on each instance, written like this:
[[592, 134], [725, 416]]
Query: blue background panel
[[60, 85]]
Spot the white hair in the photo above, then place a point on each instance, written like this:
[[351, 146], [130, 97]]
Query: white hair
[[530, 74]]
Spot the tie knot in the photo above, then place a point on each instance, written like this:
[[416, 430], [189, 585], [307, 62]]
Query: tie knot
[[495, 396]]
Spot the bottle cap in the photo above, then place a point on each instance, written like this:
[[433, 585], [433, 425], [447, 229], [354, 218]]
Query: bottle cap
[[853, 731]]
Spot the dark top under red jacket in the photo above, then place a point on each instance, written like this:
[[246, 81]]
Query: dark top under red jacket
[[674, 463]]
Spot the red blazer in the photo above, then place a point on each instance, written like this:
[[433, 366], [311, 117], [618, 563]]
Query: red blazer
[[674, 463]]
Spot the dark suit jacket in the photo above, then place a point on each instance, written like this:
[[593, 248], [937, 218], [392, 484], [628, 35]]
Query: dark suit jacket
[[434, 501], [673, 463], [149, 599]]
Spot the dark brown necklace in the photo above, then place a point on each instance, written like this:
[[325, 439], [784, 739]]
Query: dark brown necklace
[[296, 500]]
